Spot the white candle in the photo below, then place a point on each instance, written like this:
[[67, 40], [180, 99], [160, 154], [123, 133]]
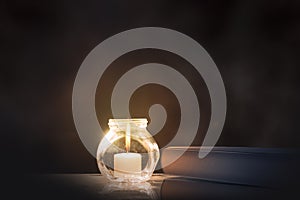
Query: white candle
[[126, 164]]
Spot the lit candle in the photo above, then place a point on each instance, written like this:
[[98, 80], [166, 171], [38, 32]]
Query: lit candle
[[126, 164]]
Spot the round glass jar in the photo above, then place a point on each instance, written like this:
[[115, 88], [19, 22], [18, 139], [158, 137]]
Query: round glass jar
[[128, 152]]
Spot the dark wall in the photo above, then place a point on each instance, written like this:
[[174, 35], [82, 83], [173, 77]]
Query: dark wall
[[255, 45]]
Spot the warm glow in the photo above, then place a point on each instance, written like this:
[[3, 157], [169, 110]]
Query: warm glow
[[127, 138]]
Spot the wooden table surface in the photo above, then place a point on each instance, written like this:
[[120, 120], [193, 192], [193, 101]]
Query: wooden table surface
[[161, 186], [98, 186]]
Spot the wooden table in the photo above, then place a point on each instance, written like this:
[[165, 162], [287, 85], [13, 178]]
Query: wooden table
[[161, 186]]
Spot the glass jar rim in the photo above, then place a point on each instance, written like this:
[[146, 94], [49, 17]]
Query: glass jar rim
[[126, 121]]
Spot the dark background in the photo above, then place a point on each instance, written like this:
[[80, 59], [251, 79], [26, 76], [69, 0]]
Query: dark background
[[255, 45]]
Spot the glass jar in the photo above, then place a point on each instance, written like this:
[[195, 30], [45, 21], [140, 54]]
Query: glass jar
[[128, 152]]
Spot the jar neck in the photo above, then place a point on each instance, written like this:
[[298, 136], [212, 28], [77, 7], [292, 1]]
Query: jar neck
[[123, 123]]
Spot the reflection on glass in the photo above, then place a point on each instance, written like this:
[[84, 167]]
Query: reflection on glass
[[119, 190]]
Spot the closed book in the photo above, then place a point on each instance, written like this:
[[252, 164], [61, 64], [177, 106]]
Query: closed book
[[266, 167]]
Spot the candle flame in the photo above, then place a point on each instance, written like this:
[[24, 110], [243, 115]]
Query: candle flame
[[127, 138]]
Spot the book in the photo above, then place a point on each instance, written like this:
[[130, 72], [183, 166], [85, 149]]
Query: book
[[265, 167]]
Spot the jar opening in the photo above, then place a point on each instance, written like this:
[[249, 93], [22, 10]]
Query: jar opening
[[136, 121]]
